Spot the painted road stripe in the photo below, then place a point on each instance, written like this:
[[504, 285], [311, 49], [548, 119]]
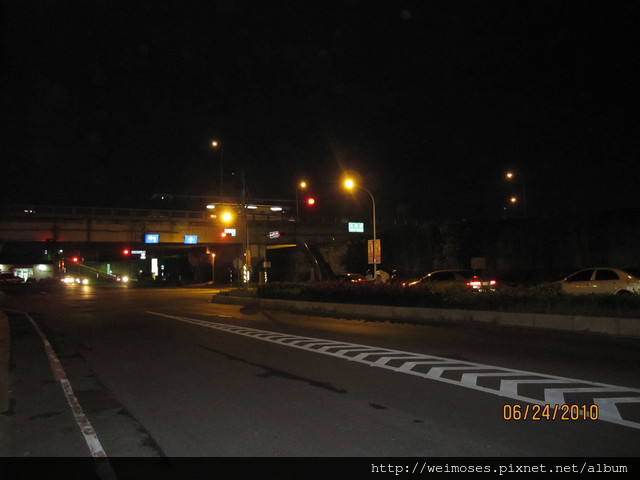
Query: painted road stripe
[[89, 434], [413, 364], [104, 469]]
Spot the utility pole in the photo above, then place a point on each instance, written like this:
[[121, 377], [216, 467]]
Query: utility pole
[[247, 252]]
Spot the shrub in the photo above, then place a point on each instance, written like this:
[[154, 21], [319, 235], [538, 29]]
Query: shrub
[[541, 298]]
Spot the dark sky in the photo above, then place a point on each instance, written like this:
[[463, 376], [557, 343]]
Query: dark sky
[[106, 103]]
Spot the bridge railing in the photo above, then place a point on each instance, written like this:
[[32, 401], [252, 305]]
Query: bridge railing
[[57, 211]]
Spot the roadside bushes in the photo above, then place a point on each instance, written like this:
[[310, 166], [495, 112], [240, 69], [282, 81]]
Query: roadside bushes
[[541, 298]]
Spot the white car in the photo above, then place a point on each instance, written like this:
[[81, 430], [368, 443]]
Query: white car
[[604, 280]]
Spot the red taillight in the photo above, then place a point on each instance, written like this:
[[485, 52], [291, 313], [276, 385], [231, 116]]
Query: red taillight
[[475, 283]]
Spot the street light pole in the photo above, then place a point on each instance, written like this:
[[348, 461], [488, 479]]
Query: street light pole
[[247, 256], [301, 184], [510, 175], [524, 198], [350, 184], [375, 257], [213, 267], [216, 144]]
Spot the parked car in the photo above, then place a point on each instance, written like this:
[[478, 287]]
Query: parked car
[[350, 277], [7, 277], [445, 279], [602, 280]]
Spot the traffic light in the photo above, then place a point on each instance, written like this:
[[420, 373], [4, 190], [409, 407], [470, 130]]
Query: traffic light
[[126, 252], [75, 259], [311, 201]]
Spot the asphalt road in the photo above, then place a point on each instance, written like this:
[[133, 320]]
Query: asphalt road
[[166, 374]]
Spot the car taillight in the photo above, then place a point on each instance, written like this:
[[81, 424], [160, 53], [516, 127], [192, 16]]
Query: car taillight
[[475, 283]]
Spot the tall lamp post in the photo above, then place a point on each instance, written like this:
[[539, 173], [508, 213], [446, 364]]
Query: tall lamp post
[[300, 186], [217, 145], [349, 184], [510, 175], [246, 270]]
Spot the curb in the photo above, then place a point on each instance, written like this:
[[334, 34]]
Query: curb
[[5, 355], [608, 326]]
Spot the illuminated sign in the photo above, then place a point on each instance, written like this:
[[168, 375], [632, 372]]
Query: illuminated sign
[[191, 239], [151, 238], [230, 232], [356, 227]]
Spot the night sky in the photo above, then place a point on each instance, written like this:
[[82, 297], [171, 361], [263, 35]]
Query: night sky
[[107, 103]]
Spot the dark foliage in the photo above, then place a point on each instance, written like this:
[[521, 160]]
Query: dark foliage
[[543, 298]]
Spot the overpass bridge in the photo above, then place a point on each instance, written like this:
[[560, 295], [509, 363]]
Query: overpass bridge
[[165, 243]]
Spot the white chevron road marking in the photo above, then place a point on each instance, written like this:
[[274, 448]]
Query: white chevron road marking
[[609, 409], [407, 362], [509, 388], [471, 379], [554, 396]]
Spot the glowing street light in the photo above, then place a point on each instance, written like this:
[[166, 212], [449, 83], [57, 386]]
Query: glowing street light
[[510, 175], [349, 184], [227, 217]]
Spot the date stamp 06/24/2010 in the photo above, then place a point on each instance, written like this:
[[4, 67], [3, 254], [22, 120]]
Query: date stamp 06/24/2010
[[562, 412]]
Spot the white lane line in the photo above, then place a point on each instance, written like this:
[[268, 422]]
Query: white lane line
[[381, 357], [59, 374]]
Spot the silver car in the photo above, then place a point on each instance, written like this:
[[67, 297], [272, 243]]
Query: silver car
[[447, 279], [605, 280]]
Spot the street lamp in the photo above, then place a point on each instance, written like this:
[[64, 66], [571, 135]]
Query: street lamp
[[300, 186], [226, 217], [349, 184], [216, 144], [510, 175]]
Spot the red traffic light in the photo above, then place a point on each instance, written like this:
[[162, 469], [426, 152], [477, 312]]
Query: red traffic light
[[75, 259], [126, 251], [311, 201]]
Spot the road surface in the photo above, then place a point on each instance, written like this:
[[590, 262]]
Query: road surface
[[113, 373]]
